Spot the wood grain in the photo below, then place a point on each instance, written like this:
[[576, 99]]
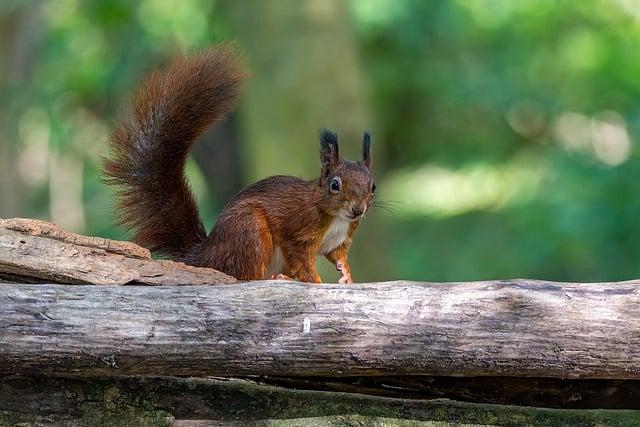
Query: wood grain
[[35, 251], [508, 328]]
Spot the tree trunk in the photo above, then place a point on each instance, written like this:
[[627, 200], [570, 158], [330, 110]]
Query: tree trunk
[[218, 157], [298, 84], [19, 37]]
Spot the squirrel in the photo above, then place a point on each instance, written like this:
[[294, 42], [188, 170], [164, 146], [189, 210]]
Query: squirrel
[[274, 228]]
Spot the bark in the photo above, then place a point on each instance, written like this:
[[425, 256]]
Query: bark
[[508, 328], [36, 251]]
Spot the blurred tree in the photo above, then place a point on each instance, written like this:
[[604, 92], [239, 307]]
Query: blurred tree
[[218, 157], [305, 75], [20, 32]]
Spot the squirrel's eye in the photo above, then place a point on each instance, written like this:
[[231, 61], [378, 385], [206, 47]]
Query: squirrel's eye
[[373, 188], [335, 184]]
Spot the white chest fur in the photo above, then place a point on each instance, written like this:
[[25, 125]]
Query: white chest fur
[[335, 235]]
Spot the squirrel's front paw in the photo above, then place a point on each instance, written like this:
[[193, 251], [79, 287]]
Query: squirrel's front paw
[[280, 276], [345, 279], [345, 274]]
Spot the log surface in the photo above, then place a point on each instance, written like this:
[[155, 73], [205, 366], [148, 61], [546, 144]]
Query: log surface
[[509, 328], [34, 251]]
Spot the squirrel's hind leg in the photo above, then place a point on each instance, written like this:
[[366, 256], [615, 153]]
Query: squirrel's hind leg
[[300, 263], [244, 247]]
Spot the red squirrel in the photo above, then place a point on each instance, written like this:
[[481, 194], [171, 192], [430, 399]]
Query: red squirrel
[[274, 228]]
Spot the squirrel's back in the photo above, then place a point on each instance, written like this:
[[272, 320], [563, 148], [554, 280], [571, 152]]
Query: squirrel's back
[[149, 147]]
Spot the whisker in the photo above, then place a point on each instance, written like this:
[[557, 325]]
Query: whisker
[[385, 207], [386, 203]]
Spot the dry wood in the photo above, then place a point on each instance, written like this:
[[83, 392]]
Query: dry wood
[[518, 328], [32, 250], [34, 227]]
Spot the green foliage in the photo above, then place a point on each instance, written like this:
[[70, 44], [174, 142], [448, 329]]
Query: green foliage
[[504, 135], [551, 87]]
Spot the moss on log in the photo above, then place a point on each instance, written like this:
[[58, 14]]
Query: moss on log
[[183, 401]]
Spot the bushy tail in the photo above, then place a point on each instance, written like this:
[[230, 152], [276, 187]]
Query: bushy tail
[[149, 147]]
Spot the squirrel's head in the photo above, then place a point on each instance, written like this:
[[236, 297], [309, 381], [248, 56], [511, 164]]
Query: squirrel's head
[[347, 187]]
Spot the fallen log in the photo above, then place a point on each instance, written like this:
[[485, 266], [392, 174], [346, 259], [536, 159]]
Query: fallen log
[[37, 251], [522, 342], [508, 328]]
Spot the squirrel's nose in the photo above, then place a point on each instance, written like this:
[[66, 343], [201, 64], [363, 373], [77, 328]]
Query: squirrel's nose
[[357, 211]]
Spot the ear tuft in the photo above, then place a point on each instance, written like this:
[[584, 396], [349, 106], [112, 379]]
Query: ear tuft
[[329, 149], [366, 150]]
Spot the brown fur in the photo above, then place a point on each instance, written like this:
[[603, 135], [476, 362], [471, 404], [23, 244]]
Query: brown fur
[[279, 213]]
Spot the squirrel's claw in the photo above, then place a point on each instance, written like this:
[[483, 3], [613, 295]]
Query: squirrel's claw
[[279, 276]]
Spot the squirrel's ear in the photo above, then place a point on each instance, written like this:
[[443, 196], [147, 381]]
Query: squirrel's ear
[[366, 150], [329, 149]]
